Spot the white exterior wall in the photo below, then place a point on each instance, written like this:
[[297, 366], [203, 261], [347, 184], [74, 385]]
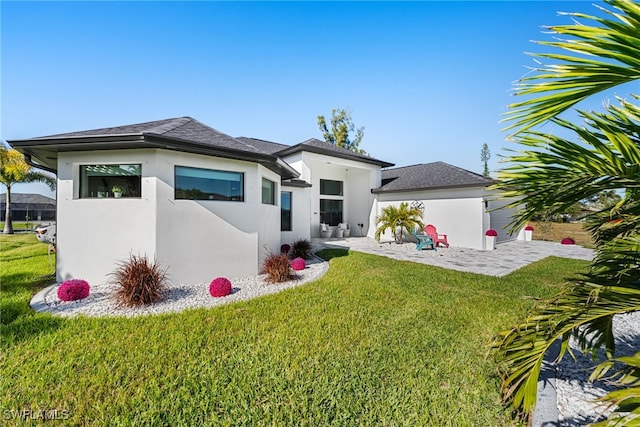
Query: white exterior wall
[[358, 178], [204, 239], [196, 240], [94, 234], [458, 213], [501, 216], [300, 215]]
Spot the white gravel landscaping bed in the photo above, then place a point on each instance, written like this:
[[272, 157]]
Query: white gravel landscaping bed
[[179, 297], [575, 394]]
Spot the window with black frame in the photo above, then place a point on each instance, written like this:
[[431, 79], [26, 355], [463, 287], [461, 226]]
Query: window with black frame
[[285, 211], [208, 184], [330, 211], [330, 187], [268, 192], [110, 180]]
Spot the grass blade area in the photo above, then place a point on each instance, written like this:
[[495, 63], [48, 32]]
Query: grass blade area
[[374, 342]]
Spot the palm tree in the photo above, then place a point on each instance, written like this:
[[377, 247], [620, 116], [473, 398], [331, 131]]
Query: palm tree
[[14, 169], [398, 219], [551, 173]]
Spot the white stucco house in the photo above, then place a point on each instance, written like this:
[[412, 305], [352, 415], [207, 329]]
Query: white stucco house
[[205, 204]]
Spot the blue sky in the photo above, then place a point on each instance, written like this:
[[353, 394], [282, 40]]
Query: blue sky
[[428, 81]]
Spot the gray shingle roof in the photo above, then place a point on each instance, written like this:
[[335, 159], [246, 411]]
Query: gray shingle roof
[[157, 126], [266, 147], [20, 199], [182, 134], [428, 176], [182, 128]]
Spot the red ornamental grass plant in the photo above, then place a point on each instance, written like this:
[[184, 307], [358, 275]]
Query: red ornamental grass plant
[[568, 241], [73, 290], [298, 264], [220, 287], [277, 268], [492, 233], [140, 281], [528, 228]]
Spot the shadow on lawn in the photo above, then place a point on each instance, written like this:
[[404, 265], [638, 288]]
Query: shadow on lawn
[[18, 321], [328, 254]]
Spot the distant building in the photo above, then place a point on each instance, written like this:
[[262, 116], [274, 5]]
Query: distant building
[[34, 206]]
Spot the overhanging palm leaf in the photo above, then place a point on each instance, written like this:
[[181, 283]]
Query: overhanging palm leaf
[[627, 399], [550, 173], [553, 173], [584, 307], [604, 55]]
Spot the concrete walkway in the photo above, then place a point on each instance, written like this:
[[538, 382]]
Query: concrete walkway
[[506, 258]]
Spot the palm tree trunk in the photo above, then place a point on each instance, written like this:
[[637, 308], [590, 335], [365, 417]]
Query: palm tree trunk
[[8, 224]]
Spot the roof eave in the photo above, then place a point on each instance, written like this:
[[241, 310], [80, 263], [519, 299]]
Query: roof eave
[[439, 187], [317, 150], [29, 147]]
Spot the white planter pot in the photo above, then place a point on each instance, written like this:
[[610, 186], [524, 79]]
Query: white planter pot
[[490, 242], [325, 234], [346, 233], [528, 235]]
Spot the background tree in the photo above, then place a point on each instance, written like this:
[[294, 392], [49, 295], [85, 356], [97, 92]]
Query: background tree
[[485, 155], [398, 219], [552, 173], [13, 170], [341, 128]]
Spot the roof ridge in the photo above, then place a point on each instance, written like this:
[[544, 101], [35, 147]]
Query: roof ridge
[[263, 140], [467, 171], [172, 124]]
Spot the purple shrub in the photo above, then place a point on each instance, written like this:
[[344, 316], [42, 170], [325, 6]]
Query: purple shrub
[[298, 264], [220, 287], [277, 268], [73, 290]]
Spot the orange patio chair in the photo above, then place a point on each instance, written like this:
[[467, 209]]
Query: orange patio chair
[[430, 229]]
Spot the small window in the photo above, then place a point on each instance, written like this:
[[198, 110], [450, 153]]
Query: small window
[[285, 211], [268, 192], [330, 188], [101, 181], [208, 184], [330, 211]]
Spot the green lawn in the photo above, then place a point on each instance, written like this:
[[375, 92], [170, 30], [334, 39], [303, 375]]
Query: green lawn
[[374, 342]]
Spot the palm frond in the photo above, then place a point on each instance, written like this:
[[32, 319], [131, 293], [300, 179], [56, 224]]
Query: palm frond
[[521, 349], [553, 172], [626, 399], [600, 56]]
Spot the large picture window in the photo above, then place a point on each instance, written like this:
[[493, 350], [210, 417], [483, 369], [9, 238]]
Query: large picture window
[[330, 188], [208, 184], [268, 192], [330, 211], [285, 211], [102, 181]]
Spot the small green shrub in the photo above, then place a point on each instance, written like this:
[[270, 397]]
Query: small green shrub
[[140, 281], [301, 248], [277, 268]]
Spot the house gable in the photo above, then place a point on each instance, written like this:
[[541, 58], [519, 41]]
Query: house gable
[[314, 145]]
